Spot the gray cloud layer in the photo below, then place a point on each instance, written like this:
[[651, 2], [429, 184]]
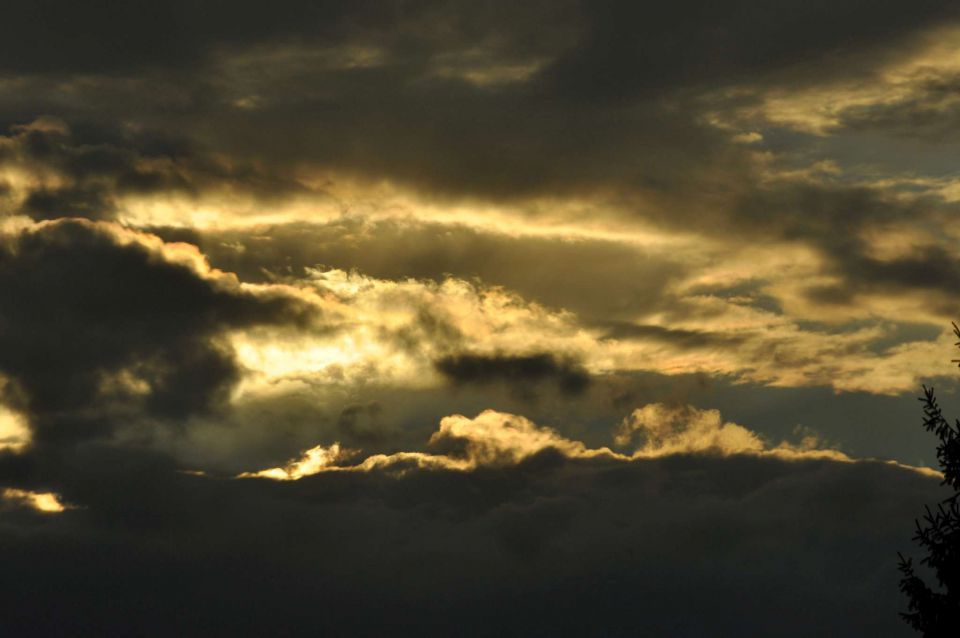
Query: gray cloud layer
[[569, 208], [94, 319], [682, 545]]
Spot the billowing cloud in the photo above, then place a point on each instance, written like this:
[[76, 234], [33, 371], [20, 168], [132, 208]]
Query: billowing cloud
[[314, 460], [490, 439], [665, 430], [230, 233], [495, 439], [98, 320]]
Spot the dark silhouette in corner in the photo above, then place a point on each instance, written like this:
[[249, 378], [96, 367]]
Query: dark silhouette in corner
[[936, 612]]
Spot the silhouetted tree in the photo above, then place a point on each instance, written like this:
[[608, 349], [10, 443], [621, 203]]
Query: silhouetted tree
[[936, 612]]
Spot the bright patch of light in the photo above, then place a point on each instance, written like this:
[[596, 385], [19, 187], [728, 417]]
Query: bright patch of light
[[46, 502], [14, 434]]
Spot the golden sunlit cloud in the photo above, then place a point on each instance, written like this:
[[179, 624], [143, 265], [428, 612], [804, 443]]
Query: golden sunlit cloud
[[45, 502], [14, 433], [818, 109], [376, 322], [314, 460], [496, 439]]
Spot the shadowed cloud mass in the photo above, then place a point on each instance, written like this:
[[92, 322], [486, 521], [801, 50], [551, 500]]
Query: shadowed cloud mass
[[685, 263]]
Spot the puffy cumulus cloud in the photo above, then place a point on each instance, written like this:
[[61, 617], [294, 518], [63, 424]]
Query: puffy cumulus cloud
[[99, 322], [665, 430], [494, 439], [490, 439], [669, 430]]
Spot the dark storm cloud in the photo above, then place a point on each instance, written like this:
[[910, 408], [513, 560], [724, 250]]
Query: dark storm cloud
[[683, 545], [93, 319], [523, 373]]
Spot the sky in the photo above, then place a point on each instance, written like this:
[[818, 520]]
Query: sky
[[587, 318]]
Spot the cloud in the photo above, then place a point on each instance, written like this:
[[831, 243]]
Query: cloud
[[691, 339], [229, 233], [490, 439], [314, 460], [45, 502], [99, 321], [421, 333], [53, 170], [599, 278], [666, 430], [494, 439], [14, 433], [527, 106], [658, 541], [522, 372], [784, 36]]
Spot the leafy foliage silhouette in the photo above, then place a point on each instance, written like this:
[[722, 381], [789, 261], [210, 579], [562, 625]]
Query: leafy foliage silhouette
[[936, 612]]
